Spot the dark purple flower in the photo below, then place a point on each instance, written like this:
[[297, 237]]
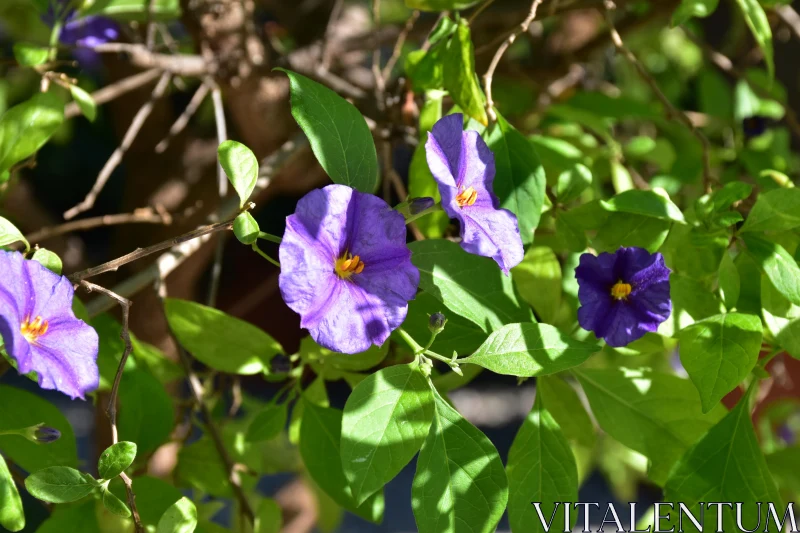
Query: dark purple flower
[[623, 295], [418, 205], [346, 269], [45, 434], [463, 167], [40, 330], [82, 32]]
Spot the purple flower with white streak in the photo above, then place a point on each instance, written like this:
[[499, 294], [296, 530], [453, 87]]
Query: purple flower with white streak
[[623, 295], [40, 330], [463, 167], [346, 269], [84, 33]]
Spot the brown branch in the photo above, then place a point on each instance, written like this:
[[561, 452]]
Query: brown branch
[[140, 216], [139, 253], [182, 121], [115, 90], [487, 78], [324, 53], [789, 17], [111, 409], [380, 81], [672, 111], [398, 45], [169, 261], [116, 158], [138, 54], [478, 11]]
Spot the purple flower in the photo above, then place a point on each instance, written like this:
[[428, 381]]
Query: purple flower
[[463, 167], [40, 330], [623, 295], [83, 33], [346, 269]]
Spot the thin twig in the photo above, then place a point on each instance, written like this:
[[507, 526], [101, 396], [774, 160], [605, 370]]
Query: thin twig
[[324, 54], [197, 99], [139, 253], [222, 189], [398, 45], [140, 216], [115, 90], [140, 56], [167, 262], [790, 17], [116, 158], [478, 11], [727, 66], [672, 111], [380, 81], [487, 78], [111, 409], [151, 27]]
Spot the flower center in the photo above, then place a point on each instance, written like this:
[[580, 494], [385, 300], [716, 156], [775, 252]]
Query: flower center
[[467, 197], [347, 265], [620, 291], [33, 330]]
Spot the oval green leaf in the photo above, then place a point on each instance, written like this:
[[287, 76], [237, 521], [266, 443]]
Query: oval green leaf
[[268, 423], [9, 234], [241, 167], [115, 459], [85, 102], [181, 517], [59, 484], [12, 516], [26, 127]]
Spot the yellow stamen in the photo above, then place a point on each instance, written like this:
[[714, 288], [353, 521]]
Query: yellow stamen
[[33, 330], [620, 291], [347, 265], [467, 197]]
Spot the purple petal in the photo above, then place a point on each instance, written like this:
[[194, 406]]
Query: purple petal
[[89, 31], [65, 358], [374, 229], [445, 141], [53, 294], [320, 221], [15, 283], [598, 271], [492, 233]]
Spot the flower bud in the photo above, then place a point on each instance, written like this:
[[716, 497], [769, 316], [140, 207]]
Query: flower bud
[[246, 228], [436, 323], [46, 434], [418, 205]]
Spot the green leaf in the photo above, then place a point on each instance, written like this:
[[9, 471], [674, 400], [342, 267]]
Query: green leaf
[[153, 497], [726, 465], [729, 282], [541, 469], [317, 394], [9, 234], [48, 259], [777, 264], [28, 55], [320, 437], [469, 285], [241, 167], [460, 335], [572, 182], [245, 228], [219, 340], [693, 8], [116, 459], [563, 403], [181, 517], [756, 18], [440, 5], [459, 74], [59, 484], [777, 210], [135, 10], [692, 300], [115, 505], [80, 517], [267, 423], [324, 359], [26, 127], [338, 134], [29, 455], [85, 102], [269, 516], [146, 415], [719, 352], [625, 229], [781, 317], [519, 180], [538, 280], [12, 516], [785, 467], [647, 203], [527, 350], [460, 485], [385, 422], [657, 415]]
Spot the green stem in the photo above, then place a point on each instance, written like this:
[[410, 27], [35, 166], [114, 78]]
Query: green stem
[[421, 214], [440, 357], [269, 237], [410, 341], [54, 35], [265, 256]]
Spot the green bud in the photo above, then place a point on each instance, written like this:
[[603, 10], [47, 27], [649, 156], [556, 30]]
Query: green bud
[[436, 323], [246, 228]]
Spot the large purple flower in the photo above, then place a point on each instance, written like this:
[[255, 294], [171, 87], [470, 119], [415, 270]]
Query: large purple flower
[[346, 269], [463, 167], [623, 295], [40, 330]]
